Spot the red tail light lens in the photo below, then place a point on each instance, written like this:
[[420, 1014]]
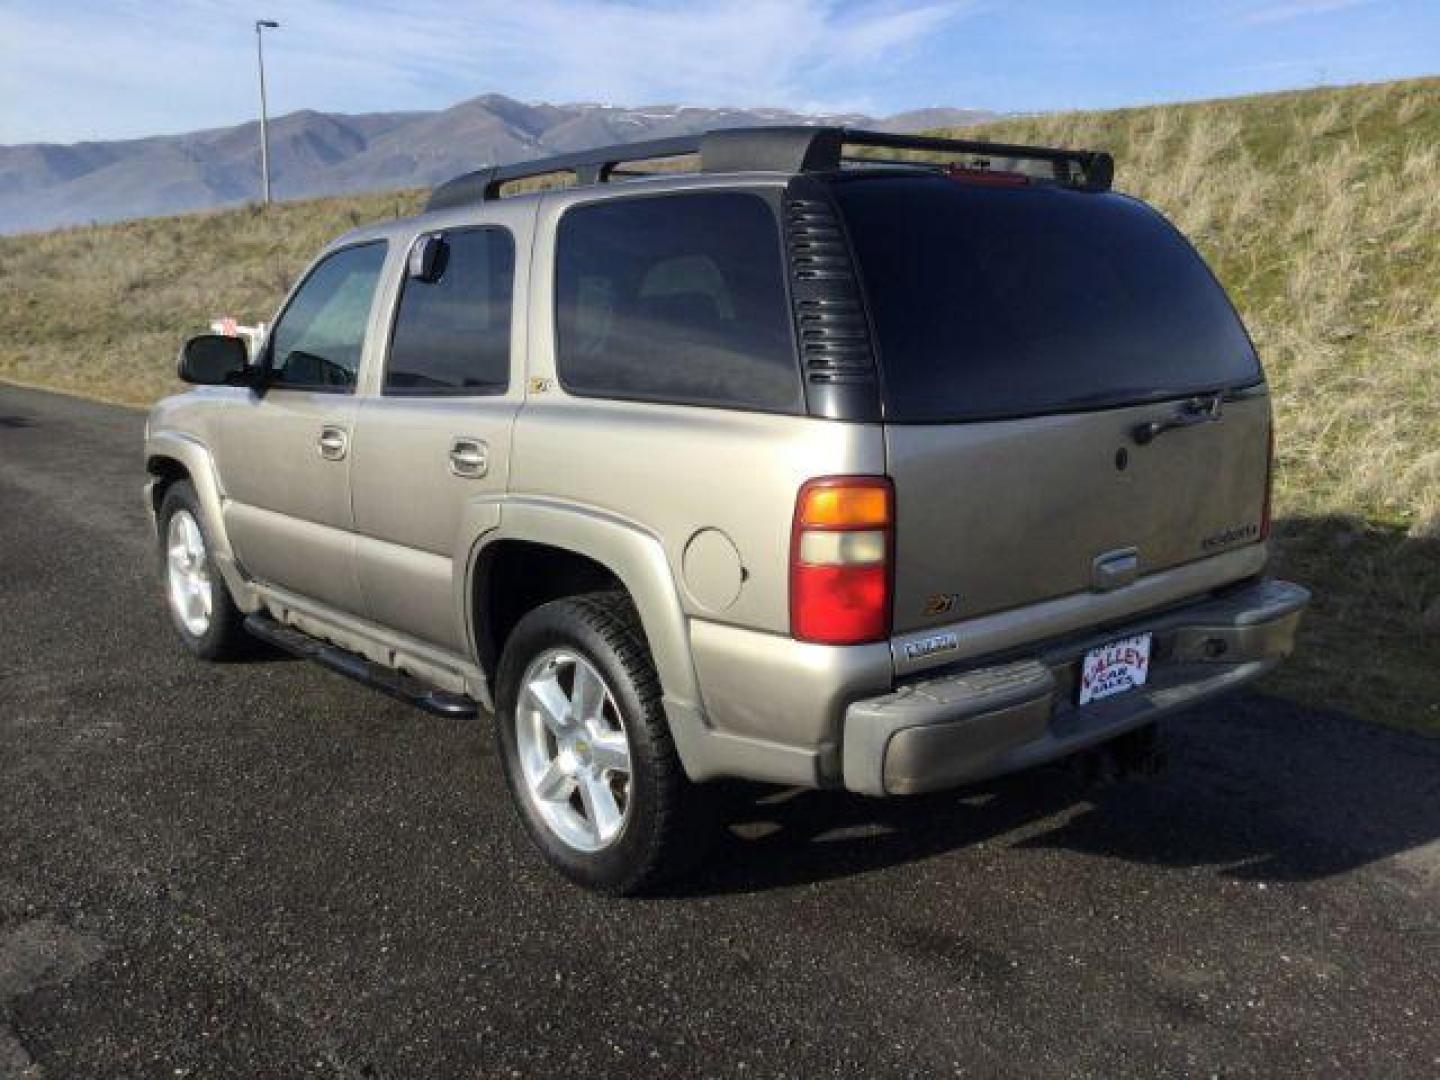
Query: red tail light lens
[[839, 605], [840, 555]]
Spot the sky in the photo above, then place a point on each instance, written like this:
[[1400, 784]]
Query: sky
[[103, 69]]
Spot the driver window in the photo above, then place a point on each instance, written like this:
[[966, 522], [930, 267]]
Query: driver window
[[318, 342]]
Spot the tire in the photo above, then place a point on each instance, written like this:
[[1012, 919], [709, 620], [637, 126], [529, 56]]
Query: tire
[[562, 803], [213, 629]]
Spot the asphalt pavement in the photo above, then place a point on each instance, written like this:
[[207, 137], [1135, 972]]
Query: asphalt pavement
[[262, 869]]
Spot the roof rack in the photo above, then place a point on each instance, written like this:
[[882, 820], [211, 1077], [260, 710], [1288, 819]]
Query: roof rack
[[767, 149]]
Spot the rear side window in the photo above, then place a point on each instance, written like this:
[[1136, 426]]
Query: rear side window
[[452, 330], [993, 302], [675, 298]]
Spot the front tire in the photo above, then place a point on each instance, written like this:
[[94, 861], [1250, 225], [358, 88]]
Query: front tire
[[200, 606], [586, 748]]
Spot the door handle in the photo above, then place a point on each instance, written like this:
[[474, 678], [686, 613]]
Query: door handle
[[333, 442], [469, 458]]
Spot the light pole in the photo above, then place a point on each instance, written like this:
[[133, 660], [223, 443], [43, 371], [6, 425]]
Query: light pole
[[262, 25]]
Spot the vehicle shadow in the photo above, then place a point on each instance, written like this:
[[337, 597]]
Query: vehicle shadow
[[1369, 644], [260, 652], [1257, 788]]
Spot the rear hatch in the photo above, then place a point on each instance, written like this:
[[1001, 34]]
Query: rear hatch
[[1029, 339]]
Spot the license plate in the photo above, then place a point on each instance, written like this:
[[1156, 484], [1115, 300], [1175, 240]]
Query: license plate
[[1112, 669]]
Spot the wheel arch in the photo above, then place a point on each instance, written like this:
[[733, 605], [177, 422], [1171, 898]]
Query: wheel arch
[[590, 549], [164, 472], [171, 457]]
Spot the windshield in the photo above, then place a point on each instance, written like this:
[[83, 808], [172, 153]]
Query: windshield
[[992, 302]]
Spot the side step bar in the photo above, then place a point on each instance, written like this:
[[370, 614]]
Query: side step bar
[[387, 680]]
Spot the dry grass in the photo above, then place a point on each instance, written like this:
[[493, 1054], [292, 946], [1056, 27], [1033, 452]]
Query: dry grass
[[1319, 210], [102, 310]]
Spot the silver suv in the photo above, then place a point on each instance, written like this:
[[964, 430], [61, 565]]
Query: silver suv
[[818, 464]]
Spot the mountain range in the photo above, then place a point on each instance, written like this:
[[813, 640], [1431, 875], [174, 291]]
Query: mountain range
[[44, 186]]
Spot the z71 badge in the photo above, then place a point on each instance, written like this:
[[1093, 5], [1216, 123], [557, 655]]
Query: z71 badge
[[941, 603]]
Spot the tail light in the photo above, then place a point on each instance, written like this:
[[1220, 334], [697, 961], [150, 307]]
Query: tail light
[[840, 557], [1269, 484]]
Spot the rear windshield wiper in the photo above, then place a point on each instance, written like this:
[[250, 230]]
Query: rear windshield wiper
[[1205, 409]]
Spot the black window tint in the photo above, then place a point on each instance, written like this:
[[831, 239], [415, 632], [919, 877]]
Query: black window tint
[[452, 334], [320, 337], [1011, 301], [676, 298]]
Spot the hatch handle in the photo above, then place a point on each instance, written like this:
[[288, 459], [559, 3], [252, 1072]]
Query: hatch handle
[[1198, 410], [1115, 569]]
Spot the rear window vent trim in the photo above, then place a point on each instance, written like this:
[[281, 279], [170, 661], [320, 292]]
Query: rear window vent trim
[[831, 326]]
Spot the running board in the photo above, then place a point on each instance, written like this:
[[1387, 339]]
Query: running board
[[386, 680]]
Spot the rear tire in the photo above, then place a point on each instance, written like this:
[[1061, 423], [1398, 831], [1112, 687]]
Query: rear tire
[[586, 748], [200, 606]]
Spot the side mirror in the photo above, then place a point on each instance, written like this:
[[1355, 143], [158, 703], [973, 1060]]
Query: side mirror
[[215, 360], [428, 259]]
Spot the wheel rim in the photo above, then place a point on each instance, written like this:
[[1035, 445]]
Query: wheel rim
[[188, 573], [574, 753]]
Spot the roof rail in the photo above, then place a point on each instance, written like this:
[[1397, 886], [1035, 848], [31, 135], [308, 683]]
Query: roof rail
[[766, 149]]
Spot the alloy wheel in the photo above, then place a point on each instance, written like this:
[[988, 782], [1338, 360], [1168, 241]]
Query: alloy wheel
[[192, 596], [573, 750]]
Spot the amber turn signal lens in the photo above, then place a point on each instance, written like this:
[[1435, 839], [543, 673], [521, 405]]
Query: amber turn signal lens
[[845, 506]]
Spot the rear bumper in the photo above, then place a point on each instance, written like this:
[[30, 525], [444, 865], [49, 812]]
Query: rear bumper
[[945, 730]]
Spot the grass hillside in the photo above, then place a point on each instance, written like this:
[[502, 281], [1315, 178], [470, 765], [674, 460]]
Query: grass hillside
[[1320, 210]]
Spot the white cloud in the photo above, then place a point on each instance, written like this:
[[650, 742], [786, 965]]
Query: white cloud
[[134, 68]]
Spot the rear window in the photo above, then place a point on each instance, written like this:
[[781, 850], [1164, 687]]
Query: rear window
[[675, 298], [993, 302]]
